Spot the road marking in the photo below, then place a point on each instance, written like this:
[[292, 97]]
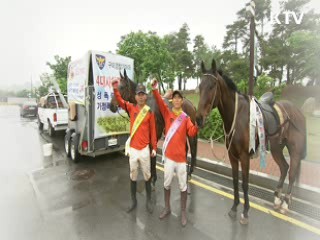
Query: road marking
[[255, 206]]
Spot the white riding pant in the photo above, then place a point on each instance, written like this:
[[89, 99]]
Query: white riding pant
[[141, 157], [171, 167]]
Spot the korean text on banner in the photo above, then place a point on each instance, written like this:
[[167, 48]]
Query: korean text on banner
[[106, 67]]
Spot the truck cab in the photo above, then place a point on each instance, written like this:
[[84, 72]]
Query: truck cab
[[52, 115]]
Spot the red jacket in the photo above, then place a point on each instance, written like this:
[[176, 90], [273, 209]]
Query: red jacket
[[146, 132], [176, 149]]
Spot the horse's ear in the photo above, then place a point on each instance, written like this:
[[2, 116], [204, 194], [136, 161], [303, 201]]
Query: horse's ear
[[121, 76], [125, 74], [203, 68], [214, 66]]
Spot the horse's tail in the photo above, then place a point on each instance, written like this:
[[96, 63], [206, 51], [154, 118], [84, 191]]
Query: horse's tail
[[298, 121]]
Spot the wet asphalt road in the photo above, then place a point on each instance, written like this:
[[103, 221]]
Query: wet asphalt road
[[53, 198]]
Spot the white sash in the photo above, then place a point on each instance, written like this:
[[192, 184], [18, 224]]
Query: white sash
[[174, 127]]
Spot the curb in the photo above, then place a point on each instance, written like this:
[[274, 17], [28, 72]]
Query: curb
[[300, 191]]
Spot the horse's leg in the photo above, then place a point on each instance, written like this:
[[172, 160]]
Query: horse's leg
[[245, 165], [193, 148], [277, 154], [193, 142], [235, 176], [153, 169], [295, 161]]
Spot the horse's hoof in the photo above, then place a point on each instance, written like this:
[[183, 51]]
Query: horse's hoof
[[284, 208], [276, 203], [276, 207], [232, 214], [244, 220]]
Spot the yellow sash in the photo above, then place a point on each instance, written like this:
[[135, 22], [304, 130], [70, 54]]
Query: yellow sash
[[137, 122]]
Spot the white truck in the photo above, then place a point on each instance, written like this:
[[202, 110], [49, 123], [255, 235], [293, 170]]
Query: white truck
[[52, 114]]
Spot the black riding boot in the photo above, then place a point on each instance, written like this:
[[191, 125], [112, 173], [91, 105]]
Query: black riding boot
[[133, 187], [148, 193]]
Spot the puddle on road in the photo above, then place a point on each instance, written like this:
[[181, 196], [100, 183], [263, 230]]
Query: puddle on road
[[82, 174]]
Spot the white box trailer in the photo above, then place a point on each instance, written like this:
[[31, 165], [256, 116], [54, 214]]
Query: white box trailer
[[92, 128]]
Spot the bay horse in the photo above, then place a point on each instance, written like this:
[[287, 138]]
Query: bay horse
[[127, 90], [219, 91]]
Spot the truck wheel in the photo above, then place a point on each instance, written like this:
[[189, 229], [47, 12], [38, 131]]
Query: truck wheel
[[67, 142], [40, 125], [51, 131], [74, 154]]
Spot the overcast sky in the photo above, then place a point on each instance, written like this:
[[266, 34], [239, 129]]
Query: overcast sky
[[33, 31]]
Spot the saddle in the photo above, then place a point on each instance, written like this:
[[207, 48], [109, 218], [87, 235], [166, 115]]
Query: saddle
[[270, 115]]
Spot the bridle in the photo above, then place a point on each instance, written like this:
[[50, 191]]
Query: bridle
[[215, 92], [232, 131]]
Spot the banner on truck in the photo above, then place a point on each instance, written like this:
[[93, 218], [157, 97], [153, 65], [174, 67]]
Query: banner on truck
[[78, 72], [106, 67]]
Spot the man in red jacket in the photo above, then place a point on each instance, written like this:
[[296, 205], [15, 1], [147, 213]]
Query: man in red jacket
[[142, 133], [177, 127]]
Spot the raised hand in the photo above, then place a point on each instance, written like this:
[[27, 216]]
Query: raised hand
[[115, 83], [154, 83]]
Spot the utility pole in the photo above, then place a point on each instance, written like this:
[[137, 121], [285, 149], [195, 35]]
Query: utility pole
[[251, 9]]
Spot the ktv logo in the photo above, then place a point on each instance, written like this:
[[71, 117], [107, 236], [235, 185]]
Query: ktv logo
[[287, 16]]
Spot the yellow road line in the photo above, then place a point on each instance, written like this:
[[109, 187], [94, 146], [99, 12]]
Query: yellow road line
[[256, 206]]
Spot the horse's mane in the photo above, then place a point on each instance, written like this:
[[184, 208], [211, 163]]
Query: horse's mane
[[134, 84], [230, 83]]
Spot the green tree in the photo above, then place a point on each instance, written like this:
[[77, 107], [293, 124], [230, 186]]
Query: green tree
[[201, 52], [60, 71], [45, 85], [183, 58], [151, 56], [282, 33], [134, 45], [306, 48], [236, 66], [235, 33], [239, 30]]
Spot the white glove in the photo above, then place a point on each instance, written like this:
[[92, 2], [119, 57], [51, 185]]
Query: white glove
[[153, 153]]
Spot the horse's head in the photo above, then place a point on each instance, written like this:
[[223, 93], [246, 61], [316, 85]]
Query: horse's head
[[127, 90], [209, 92]]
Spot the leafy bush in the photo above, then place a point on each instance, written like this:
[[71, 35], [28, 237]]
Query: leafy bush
[[264, 84], [213, 127]]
